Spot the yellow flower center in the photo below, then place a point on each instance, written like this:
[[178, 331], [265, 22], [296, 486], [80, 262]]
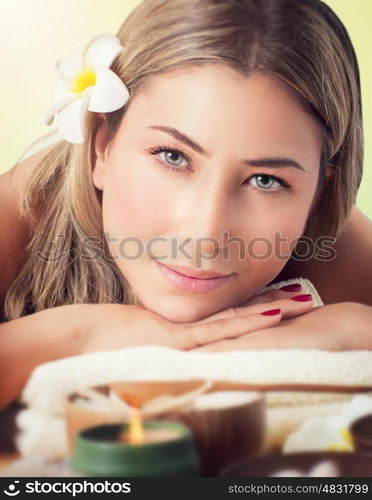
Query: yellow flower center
[[347, 445], [84, 79], [345, 433]]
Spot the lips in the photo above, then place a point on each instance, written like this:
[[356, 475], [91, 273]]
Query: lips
[[192, 284], [193, 273]]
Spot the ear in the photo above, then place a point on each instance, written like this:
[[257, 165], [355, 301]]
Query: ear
[[101, 149]]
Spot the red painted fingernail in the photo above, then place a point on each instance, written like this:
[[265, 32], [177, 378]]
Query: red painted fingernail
[[295, 287], [271, 312], [302, 298]]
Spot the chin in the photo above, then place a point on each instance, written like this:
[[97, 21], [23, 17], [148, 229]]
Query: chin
[[178, 316], [176, 313], [186, 317]]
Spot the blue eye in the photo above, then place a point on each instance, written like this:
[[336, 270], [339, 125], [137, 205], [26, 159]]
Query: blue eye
[[170, 157], [173, 157], [266, 181], [175, 160]]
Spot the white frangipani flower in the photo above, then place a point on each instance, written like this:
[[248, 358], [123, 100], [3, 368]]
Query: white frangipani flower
[[329, 433], [85, 82]]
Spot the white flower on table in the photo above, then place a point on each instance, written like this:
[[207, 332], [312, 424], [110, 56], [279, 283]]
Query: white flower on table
[[329, 433], [85, 82]]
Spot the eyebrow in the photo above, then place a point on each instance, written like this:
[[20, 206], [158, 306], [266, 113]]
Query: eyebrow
[[257, 162]]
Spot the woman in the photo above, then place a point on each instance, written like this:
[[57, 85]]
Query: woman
[[243, 126]]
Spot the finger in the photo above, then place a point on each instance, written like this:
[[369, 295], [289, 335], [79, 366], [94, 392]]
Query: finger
[[267, 297], [267, 338], [295, 306], [284, 292], [299, 333], [195, 335], [289, 306]]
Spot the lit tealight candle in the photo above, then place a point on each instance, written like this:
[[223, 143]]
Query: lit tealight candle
[[138, 435], [151, 448]]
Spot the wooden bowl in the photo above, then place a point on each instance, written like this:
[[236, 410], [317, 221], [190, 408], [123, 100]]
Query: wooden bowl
[[361, 432], [227, 426]]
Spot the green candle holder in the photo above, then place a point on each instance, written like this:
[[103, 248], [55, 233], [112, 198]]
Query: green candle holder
[[99, 453]]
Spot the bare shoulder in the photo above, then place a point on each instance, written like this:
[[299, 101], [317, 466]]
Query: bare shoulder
[[17, 175], [15, 229], [358, 221]]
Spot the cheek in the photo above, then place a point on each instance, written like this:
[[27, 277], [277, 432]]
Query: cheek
[[278, 227], [272, 235], [131, 206]]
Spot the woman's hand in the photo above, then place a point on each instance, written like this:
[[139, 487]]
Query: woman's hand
[[268, 297], [115, 326], [334, 327]]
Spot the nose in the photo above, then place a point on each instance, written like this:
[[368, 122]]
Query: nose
[[204, 218]]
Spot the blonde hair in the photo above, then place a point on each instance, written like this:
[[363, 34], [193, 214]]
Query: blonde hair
[[301, 43]]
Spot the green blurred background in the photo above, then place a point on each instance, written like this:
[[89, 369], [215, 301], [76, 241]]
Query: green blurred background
[[35, 33]]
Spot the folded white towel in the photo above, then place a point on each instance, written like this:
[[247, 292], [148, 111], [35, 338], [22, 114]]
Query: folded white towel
[[41, 425]]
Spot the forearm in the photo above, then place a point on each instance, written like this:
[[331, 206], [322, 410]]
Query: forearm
[[32, 340]]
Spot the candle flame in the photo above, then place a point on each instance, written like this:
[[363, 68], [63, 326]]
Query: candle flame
[[136, 434]]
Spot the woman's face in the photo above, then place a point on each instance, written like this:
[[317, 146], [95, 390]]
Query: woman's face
[[210, 171]]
